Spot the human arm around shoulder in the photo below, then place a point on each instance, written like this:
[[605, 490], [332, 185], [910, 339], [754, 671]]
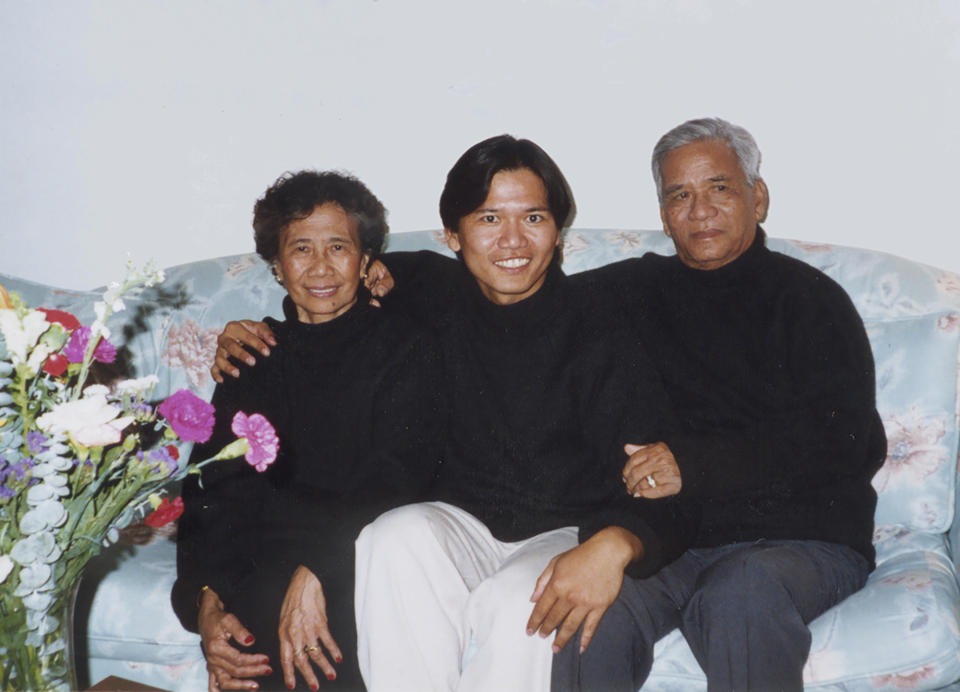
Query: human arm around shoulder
[[237, 343]]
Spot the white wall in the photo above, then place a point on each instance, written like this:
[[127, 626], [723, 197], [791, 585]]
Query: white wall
[[150, 127]]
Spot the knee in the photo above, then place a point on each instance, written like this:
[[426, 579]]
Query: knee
[[394, 531], [744, 583]]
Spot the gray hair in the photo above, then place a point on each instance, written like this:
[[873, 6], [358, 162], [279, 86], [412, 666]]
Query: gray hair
[[742, 142]]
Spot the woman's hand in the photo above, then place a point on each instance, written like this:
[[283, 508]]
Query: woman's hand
[[256, 335], [303, 621], [227, 667]]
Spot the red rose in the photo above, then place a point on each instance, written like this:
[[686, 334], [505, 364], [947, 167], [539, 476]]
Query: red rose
[[64, 319], [56, 365], [173, 452], [165, 513]]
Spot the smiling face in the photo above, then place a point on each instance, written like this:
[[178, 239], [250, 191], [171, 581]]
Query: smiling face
[[509, 241], [709, 209], [320, 263]]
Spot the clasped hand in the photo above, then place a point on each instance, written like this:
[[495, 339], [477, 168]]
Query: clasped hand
[[651, 471]]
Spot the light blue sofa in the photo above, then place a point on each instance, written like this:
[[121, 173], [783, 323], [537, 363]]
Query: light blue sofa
[[901, 632]]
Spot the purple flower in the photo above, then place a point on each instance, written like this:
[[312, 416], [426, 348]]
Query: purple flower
[[105, 352], [190, 416], [20, 469], [162, 457], [6, 493], [36, 442]]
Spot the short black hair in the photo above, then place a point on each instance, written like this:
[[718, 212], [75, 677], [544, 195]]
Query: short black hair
[[468, 182], [294, 196]]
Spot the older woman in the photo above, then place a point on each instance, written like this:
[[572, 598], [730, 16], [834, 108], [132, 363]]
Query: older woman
[[265, 560]]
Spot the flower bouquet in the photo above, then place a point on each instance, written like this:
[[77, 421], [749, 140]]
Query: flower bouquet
[[78, 462]]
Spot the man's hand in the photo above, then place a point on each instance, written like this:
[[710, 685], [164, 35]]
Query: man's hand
[[303, 621], [227, 667], [378, 281], [651, 471], [256, 335], [579, 585]]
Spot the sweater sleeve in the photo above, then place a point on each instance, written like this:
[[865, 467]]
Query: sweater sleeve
[[823, 431], [630, 405], [425, 284], [217, 528]]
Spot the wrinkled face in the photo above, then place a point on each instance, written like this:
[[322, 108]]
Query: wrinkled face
[[709, 209], [320, 263], [509, 241]]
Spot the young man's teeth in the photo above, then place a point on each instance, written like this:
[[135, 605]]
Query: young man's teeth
[[513, 263]]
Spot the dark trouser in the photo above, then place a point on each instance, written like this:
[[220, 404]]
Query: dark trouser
[[743, 609]]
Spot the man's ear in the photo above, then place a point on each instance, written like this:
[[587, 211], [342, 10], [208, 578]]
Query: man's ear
[[663, 220], [761, 200], [453, 240]]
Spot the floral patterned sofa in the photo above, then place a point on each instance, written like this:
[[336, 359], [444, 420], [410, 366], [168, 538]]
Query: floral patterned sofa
[[901, 632]]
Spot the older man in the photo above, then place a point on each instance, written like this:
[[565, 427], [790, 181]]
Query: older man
[[769, 367]]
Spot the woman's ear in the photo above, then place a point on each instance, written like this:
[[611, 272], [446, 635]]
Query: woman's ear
[[364, 265], [277, 272]]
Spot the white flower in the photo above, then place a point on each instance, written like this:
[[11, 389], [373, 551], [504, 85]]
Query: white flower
[[138, 387], [112, 296], [90, 421], [38, 357], [98, 326], [21, 335], [6, 566]]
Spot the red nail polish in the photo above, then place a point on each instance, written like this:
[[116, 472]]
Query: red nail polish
[[338, 659], [249, 639], [289, 686], [269, 671]]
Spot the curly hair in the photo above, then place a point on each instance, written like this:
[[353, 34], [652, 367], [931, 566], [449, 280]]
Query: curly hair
[[294, 196]]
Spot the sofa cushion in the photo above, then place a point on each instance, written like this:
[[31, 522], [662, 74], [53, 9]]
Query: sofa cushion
[[916, 486], [898, 633]]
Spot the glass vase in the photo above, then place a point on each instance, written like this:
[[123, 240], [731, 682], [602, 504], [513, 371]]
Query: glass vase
[[50, 665]]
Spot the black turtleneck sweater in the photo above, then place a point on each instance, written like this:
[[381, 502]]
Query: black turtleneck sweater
[[770, 372], [355, 402], [542, 396]]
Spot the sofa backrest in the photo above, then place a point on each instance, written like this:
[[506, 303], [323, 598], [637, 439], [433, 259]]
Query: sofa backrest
[[911, 312]]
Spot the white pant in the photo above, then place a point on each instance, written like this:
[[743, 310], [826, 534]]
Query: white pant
[[443, 605]]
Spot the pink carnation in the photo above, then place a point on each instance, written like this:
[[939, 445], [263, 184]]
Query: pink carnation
[[105, 352], [190, 416], [261, 437]]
